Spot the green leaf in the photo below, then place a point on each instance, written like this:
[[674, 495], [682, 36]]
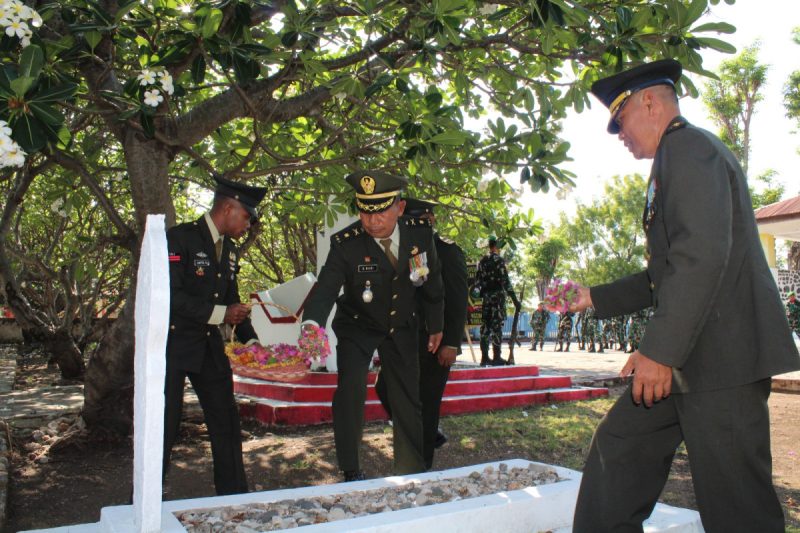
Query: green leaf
[[124, 9], [31, 61], [717, 44], [46, 114], [198, 69], [21, 85], [719, 27], [210, 21], [525, 175], [147, 125], [59, 93], [28, 133], [93, 38], [695, 11], [451, 138]]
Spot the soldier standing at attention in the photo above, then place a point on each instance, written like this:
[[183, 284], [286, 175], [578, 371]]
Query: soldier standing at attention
[[704, 365], [593, 333], [493, 283], [203, 265], [539, 321], [793, 313], [434, 369], [386, 264], [580, 329], [564, 331]]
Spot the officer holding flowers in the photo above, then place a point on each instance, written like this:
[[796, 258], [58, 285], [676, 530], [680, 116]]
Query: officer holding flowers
[[385, 263]]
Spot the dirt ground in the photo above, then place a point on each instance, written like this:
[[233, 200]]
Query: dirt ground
[[75, 481]]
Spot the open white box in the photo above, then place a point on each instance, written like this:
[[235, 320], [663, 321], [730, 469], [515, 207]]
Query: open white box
[[275, 312]]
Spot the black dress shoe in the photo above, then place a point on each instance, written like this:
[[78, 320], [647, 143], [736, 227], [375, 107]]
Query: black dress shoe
[[441, 440], [354, 475]]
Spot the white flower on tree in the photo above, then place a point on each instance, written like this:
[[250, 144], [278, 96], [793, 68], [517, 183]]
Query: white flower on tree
[[16, 27], [147, 77], [153, 98]]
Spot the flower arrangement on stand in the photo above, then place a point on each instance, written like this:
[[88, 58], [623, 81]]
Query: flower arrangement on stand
[[560, 295], [282, 361]]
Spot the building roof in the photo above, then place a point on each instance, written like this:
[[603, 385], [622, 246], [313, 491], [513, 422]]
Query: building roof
[[781, 219]]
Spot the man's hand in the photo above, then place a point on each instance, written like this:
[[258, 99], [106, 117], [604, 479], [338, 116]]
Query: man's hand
[[652, 381], [584, 300], [434, 340], [446, 356], [236, 313]]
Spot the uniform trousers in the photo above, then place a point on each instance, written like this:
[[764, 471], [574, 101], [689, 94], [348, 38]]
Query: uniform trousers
[[401, 374], [726, 433], [214, 389], [432, 382]]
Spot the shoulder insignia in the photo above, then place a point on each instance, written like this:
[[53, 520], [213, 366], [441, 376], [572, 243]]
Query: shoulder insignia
[[415, 221], [446, 240], [353, 230], [676, 124]]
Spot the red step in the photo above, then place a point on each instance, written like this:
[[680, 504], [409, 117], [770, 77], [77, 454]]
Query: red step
[[468, 390]]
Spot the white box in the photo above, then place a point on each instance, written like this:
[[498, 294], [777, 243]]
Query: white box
[[275, 312]]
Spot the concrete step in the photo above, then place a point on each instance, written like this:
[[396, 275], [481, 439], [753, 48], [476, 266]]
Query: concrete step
[[278, 412], [294, 392]]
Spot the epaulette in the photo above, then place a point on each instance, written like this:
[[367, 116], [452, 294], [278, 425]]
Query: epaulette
[[445, 240], [414, 221], [678, 123], [353, 230]]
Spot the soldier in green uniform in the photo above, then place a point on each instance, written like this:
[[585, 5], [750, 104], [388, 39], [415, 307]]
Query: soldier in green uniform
[[636, 327], [203, 265], [564, 331], [718, 333], [793, 313], [620, 323], [580, 329], [493, 283], [386, 264], [434, 369], [593, 333], [608, 334], [539, 320]]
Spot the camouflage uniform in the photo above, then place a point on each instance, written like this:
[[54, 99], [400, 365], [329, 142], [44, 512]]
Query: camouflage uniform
[[608, 333], [619, 330], [539, 320], [492, 281], [564, 330], [591, 327], [793, 314], [580, 329], [638, 322]]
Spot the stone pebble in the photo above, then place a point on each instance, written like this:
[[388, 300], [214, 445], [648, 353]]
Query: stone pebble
[[290, 514]]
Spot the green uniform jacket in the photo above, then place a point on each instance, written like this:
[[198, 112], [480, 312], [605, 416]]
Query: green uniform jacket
[[454, 276], [197, 284], [355, 259], [718, 319]]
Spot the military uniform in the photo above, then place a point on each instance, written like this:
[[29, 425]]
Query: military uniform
[[718, 324], [793, 314], [636, 329], [493, 283], [539, 320], [593, 333], [378, 310], [433, 376], [195, 349], [564, 331], [580, 328]]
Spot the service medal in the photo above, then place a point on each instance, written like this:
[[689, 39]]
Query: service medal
[[367, 294]]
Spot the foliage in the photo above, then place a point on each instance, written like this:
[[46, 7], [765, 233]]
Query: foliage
[[605, 240], [770, 192], [731, 100], [543, 261], [791, 90], [456, 94]]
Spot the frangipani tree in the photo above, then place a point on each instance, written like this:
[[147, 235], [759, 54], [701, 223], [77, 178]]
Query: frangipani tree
[[455, 94]]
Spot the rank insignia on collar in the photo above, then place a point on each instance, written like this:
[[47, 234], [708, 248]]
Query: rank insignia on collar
[[200, 271]]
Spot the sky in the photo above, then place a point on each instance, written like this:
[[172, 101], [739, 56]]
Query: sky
[[598, 156]]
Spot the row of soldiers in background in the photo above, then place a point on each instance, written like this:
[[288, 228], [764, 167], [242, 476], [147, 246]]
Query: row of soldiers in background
[[793, 313], [592, 334]]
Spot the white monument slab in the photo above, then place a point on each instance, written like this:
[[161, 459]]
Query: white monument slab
[[152, 319], [275, 312]]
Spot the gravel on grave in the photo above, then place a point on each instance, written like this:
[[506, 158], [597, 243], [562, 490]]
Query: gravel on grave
[[289, 514]]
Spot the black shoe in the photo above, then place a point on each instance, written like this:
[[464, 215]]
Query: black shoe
[[499, 362], [486, 362], [601, 350], [354, 475], [533, 348], [441, 440], [591, 350]]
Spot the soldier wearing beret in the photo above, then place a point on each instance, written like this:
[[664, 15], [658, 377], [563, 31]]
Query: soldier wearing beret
[[203, 265], [434, 368], [718, 332], [386, 264]]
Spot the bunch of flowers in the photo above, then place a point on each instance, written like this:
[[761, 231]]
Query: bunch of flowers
[[313, 348], [154, 79], [17, 20], [11, 155], [560, 294]]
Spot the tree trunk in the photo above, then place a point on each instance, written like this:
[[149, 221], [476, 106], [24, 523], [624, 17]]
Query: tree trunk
[[793, 261], [65, 352], [108, 392]]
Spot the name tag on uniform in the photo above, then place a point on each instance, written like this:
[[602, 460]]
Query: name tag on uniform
[[362, 269], [202, 262]]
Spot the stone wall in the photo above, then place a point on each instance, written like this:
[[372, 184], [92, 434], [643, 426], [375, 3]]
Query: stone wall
[[788, 281]]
